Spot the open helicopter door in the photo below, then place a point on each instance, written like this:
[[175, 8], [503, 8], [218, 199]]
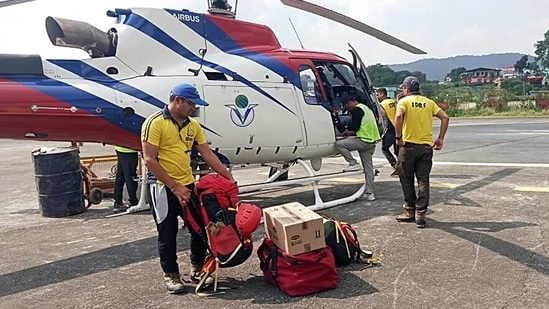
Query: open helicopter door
[[318, 124], [368, 88]]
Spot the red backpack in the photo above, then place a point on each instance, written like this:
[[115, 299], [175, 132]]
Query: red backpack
[[224, 222]]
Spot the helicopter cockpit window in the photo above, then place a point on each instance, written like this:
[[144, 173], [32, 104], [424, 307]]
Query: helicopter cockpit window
[[338, 74], [340, 78], [309, 85]]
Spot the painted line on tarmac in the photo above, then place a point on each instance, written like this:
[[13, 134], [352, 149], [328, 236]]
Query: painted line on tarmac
[[532, 189], [495, 164], [348, 179], [517, 133], [444, 185], [500, 164]]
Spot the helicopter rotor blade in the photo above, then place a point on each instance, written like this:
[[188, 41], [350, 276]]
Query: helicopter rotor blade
[[335, 16], [12, 2]]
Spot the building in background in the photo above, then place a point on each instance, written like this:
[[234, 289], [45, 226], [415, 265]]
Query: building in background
[[479, 76]]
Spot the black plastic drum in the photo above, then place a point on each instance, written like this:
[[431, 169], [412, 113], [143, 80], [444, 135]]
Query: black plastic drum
[[58, 179]]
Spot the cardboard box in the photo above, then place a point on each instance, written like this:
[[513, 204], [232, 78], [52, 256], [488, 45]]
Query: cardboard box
[[294, 228]]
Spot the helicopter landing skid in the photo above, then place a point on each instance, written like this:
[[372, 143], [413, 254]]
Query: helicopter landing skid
[[313, 179], [142, 205], [270, 183]]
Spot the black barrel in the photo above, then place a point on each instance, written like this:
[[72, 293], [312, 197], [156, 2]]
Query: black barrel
[[58, 179]]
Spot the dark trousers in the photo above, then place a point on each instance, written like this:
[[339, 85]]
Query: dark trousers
[[167, 235], [126, 167], [387, 141], [415, 160]]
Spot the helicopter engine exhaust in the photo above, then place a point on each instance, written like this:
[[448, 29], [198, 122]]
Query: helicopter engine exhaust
[[81, 35]]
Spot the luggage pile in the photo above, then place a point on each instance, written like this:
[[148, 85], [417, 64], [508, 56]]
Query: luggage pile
[[293, 255], [301, 249]]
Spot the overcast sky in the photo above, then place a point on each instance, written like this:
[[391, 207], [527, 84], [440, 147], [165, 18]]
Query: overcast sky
[[442, 28]]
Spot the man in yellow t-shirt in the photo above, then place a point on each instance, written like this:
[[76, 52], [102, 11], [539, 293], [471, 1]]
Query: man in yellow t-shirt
[[388, 139], [414, 135], [167, 138]]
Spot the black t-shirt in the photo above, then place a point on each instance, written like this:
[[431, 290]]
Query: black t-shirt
[[356, 119]]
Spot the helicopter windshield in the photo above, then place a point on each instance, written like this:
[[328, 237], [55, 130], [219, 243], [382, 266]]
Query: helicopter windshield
[[338, 74], [340, 78]]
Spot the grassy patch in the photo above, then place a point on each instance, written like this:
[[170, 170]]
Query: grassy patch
[[498, 111]]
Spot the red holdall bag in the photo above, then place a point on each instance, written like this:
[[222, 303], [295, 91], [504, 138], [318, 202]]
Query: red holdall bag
[[298, 275]]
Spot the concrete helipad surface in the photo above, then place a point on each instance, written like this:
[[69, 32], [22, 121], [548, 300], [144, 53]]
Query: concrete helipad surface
[[486, 245]]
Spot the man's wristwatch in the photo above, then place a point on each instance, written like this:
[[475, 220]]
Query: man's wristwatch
[[398, 137]]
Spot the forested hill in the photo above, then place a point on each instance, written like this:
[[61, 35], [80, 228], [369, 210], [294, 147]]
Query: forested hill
[[436, 69]]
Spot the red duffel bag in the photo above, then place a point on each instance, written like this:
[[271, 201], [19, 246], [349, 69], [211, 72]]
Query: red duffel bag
[[298, 275]]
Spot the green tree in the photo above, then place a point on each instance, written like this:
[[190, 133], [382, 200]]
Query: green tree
[[521, 64], [542, 51], [420, 75], [381, 75], [455, 73], [533, 67], [516, 87]]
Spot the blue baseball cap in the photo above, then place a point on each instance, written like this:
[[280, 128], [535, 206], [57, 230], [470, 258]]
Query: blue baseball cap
[[189, 92]]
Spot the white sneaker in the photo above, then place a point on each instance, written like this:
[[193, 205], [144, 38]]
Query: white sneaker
[[352, 168], [368, 197]]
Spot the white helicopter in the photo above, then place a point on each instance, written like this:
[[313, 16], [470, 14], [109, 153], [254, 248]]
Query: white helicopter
[[268, 105]]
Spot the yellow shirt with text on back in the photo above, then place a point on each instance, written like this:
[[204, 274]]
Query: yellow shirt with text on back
[[389, 105], [417, 126]]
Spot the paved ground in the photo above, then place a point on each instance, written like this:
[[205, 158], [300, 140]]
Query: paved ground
[[485, 247]]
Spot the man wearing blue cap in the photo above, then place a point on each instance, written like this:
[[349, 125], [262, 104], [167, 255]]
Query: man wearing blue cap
[[167, 139], [362, 135], [414, 135]]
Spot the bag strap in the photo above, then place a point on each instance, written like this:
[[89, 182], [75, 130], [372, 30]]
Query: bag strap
[[271, 258], [293, 261], [211, 266], [194, 210], [363, 256], [338, 231]]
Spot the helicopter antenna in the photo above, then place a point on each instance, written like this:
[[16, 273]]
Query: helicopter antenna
[[296, 34]]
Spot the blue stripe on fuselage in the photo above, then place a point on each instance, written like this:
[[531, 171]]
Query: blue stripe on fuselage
[[80, 99], [90, 73], [220, 39], [148, 28]]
